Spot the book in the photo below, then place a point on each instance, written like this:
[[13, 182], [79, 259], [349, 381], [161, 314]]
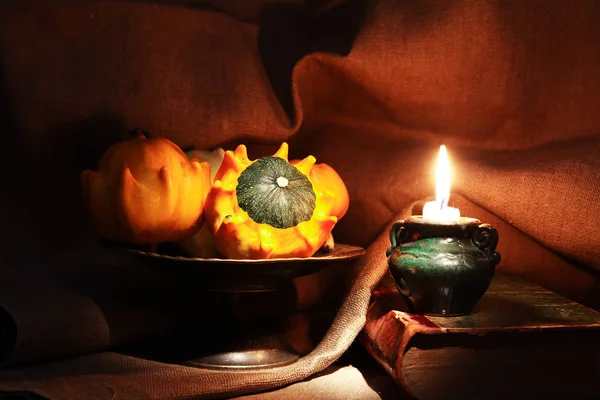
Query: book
[[521, 342]]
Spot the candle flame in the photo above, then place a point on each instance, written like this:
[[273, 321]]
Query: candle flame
[[438, 210], [442, 179]]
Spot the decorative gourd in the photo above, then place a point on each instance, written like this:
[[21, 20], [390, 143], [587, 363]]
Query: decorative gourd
[[325, 177], [202, 243], [146, 190], [214, 158], [268, 208]]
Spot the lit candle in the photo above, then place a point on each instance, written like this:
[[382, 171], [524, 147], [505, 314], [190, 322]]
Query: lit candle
[[438, 210]]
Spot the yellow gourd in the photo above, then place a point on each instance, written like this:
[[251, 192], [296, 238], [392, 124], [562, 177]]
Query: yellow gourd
[[202, 244]]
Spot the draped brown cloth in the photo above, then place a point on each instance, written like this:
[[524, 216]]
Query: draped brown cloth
[[370, 87]]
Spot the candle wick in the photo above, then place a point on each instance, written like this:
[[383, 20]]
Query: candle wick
[[443, 202]]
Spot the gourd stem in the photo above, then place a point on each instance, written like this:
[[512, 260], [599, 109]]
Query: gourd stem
[[282, 181], [138, 132]]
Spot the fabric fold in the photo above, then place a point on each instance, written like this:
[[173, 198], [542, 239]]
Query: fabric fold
[[37, 326]]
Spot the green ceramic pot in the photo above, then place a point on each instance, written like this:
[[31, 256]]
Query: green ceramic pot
[[442, 269]]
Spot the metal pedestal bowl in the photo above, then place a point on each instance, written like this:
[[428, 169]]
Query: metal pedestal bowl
[[244, 289]]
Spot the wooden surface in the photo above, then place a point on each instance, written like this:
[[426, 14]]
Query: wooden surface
[[521, 340]]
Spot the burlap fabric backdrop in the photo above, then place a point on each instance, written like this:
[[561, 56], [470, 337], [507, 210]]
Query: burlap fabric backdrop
[[372, 88]]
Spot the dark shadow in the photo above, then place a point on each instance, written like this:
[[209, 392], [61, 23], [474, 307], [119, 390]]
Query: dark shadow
[[201, 320], [590, 297], [173, 321], [204, 5], [56, 162], [185, 342], [165, 315], [8, 335], [8, 155], [12, 167], [288, 33], [84, 142], [21, 396]]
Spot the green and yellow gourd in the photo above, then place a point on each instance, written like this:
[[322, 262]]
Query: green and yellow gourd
[[269, 208]]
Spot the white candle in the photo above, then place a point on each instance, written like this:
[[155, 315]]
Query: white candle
[[438, 210]]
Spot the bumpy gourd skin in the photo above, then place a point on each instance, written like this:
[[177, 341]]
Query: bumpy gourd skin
[[237, 236], [325, 176], [146, 191]]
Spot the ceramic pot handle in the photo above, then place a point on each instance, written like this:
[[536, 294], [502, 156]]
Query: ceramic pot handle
[[485, 238], [398, 235]]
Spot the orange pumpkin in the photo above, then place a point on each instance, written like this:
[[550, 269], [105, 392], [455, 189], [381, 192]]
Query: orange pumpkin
[[146, 190], [325, 177]]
